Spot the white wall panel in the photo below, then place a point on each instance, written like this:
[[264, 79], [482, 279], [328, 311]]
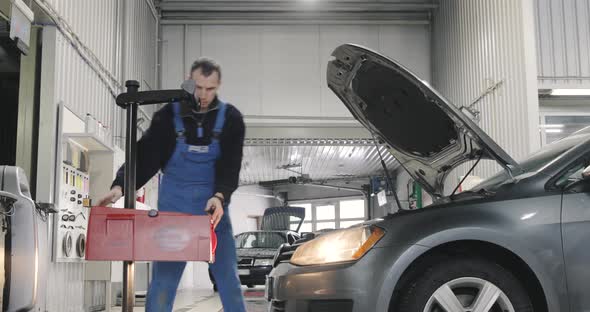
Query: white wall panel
[[80, 89], [172, 68], [290, 70], [563, 43], [94, 22], [408, 44], [65, 291], [192, 46], [279, 70], [86, 51], [477, 43], [241, 72], [141, 44]]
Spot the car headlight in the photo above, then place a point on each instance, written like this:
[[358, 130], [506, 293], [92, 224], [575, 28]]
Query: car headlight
[[338, 246], [263, 262]]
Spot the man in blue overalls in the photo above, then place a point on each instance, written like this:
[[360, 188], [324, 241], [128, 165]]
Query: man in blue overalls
[[198, 147]]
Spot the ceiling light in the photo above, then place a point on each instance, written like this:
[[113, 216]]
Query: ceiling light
[[570, 92], [552, 126], [553, 130]]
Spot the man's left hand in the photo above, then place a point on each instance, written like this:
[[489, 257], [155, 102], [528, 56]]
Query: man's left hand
[[215, 207]]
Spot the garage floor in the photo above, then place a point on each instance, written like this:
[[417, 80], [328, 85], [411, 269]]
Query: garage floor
[[207, 301]]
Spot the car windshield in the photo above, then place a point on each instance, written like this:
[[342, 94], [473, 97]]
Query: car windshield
[[536, 161], [260, 240]]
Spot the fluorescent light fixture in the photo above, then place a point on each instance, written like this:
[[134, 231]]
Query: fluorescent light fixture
[[570, 92], [552, 126], [553, 130]]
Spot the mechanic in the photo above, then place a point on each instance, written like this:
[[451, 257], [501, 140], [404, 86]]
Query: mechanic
[[198, 146]]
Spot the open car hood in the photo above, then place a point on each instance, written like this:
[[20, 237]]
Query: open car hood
[[282, 218], [426, 133]]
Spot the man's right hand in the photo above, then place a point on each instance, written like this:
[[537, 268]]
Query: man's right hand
[[111, 197]]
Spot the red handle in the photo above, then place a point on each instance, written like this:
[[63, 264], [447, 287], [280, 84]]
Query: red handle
[[120, 216], [213, 242]]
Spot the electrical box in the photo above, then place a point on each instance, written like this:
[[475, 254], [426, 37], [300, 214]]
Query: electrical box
[[72, 216], [82, 161]]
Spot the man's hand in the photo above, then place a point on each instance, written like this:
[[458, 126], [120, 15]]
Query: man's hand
[[111, 197], [215, 208]]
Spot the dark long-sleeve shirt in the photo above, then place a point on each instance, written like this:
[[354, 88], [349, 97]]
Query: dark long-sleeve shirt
[[156, 146]]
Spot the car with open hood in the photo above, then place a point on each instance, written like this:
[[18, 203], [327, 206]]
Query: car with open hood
[[515, 242], [256, 249]]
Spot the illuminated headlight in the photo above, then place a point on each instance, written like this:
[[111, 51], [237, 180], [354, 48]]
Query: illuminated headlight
[[338, 246], [263, 262]]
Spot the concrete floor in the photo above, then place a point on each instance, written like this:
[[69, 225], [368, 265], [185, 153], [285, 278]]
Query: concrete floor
[[208, 301]]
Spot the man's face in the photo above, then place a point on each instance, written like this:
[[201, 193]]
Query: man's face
[[206, 88]]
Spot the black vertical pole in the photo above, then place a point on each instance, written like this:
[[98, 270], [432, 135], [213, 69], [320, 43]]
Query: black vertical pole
[[130, 159]]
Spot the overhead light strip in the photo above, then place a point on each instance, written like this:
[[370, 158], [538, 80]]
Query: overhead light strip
[[570, 92]]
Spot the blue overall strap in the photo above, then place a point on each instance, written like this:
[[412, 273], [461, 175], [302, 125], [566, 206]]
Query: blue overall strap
[[220, 121], [178, 124]]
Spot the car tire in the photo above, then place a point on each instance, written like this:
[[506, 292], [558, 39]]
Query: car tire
[[465, 278]]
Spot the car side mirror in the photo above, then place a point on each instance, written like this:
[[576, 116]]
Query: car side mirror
[[586, 173]]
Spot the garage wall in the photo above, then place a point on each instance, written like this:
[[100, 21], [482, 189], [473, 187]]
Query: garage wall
[[279, 70], [479, 43], [563, 43], [99, 15], [141, 47], [93, 65], [83, 67]]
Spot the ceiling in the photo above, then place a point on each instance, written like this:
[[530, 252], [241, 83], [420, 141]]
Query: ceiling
[[324, 160], [290, 11]]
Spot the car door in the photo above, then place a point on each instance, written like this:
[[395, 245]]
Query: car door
[[576, 233]]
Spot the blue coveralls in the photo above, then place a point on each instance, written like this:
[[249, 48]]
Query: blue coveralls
[[186, 186]]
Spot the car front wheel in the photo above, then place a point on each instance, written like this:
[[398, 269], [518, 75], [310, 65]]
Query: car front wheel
[[464, 285]]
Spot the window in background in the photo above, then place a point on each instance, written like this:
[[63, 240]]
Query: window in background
[[325, 225], [308, 217], [332, 214], [352, 209], [556, 126], [305, 227], [327, 212], [307, 206]]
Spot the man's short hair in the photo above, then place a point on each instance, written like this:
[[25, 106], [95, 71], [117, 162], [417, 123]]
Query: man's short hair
[[207, 66]]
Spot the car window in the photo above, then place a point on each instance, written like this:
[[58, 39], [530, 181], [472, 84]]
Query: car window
[[536, 161], [260, 240]]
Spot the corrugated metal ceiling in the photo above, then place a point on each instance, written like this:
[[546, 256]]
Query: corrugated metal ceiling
[[321, 159]]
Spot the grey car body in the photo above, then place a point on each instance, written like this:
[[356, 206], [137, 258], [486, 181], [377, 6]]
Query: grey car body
[[532, 218]]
